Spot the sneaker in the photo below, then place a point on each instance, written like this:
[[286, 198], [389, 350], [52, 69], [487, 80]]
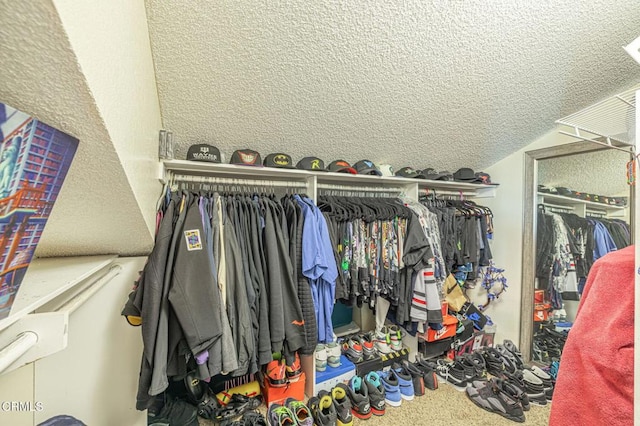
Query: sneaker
[[547, 381], [511, 347], [368, 347], [416, 377], [534, 388], [479, 364], [468, 366], [323, 410], [253, 418], [405, 380], [508, 358], [359, 396], [382, 341], [395, 337], [276, 374], [392, 395], [321, 358], [428, 369], [279, 415], [294, 370], [300, 411], [376, 393], [342, 405], [452, 373], [488, 396], [515, 392], [333, 354], [353, 350]]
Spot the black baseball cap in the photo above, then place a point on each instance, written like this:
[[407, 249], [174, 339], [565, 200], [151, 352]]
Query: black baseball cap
[[367, 167], [311, 163], [279, 160], [408, 172], [465, 174], [432, 174], [341, 166], [246, 157], [204, 152]]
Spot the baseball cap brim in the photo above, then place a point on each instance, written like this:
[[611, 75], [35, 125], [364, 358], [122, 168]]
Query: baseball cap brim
[[370, 171], [345, 170]]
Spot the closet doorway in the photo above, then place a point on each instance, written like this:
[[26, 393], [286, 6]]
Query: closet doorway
[[548, 193]]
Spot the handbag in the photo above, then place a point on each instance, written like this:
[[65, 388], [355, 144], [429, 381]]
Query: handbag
[[453, 294]]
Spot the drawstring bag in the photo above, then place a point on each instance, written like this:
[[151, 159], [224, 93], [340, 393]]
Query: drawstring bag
[[453, 294]]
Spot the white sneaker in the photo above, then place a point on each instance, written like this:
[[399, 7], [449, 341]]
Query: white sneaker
[[395, 336], [382, 341], [333, 351], [321, 358]]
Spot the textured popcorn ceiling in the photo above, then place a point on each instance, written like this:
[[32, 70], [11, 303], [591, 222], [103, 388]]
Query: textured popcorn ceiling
[[600, 172], [439, 83], [96, 211]]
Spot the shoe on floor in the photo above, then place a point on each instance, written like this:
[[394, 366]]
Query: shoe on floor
[[480, 365], [323, 410], [342, 405], [392, 394], [301, 413], [353, 350], [376, 393], [511, 347], [280, 415], [428, 369], [534, 388], [405, 381], [468, 366], [359, 397], [452, 373], [489, 397], [514, 392], [546, 379], [253, 418], [416, 377]]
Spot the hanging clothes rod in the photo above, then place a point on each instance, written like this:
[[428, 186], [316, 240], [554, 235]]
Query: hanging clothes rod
[[558, 207], [324, 187], [231, 181]]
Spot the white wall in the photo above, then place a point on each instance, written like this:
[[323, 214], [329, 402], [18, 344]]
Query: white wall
[[507, 208], [111, 42], [95, 378]]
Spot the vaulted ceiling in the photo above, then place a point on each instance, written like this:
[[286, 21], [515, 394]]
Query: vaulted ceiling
[[441, 83]]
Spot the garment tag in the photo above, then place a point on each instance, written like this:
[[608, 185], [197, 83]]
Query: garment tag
[[193, 239]]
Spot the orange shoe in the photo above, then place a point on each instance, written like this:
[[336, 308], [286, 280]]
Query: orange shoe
[[295, 369], [276, 374]]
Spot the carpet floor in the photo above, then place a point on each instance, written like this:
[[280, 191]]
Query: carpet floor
[[442, 407]]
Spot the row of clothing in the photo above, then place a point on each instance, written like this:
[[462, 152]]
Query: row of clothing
[[567, 247], [232, 279]]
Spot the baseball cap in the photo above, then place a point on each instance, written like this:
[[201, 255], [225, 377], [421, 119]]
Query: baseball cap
[[246, 157], [432, 174], [386, 169], [341, 166], [465, 174], [279, 160], [484, 178], [408, 172], [311, 163], [367, 167], [204, 152]]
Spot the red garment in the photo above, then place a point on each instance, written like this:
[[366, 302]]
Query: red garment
[[595, 381]]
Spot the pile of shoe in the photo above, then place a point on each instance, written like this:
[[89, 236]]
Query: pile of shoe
[[501, 397], [548, 344], [365, 346], [462, 371]]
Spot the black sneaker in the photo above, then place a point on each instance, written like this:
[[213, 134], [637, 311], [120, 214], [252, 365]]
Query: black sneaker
[[547, 381], [340, 395], [508, 358], [428, 369], [488, 396], [253, 418], [469, 367], [416, 377], [452, 373], [515, 392], [359, 396], [534, 388], [479, 364], [323, 410], [511, 347], [376, 393], [493, 360]]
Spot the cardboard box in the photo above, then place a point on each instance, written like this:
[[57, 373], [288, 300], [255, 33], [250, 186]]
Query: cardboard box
[[328, 379], [275, 395], [449, 327]]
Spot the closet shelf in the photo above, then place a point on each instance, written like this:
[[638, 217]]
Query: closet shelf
[[610, 122], [572, 202], [231, 171]]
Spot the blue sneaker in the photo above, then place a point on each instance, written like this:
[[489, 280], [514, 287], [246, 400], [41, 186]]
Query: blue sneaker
[[405, 381], [391, 388]]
